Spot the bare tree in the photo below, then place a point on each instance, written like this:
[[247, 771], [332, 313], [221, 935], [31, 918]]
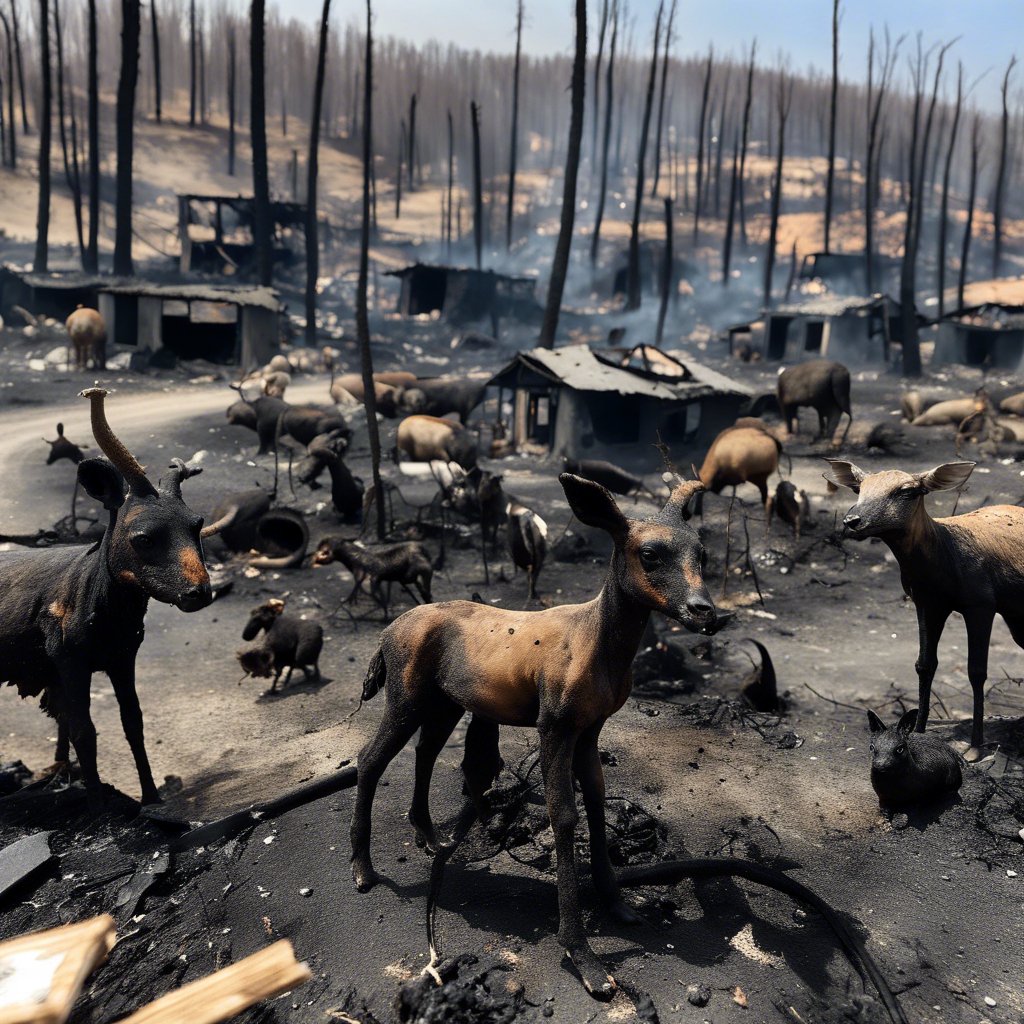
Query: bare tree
[[563, 247], [451, 178], [730, 220], [193, 66], [131, 17], [412, 142], [602, 31], [944, 205], [833, 101], [783, 101], [312, 170], [667, 273], [633, 295], [997, 203], [399, 168], [12, 144], [202, 73], [744, 140], [232, 78], [262, 229], [157, 90], [972, 193], [21, 67], [362, 307], [92, 258], [513, 146], [70, 165], [701, 126], [719, 135], [609, 97], [661, 99], [39, 264], [478, 186]]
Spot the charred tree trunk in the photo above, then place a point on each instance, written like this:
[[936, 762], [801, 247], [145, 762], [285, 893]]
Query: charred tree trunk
[[43, 211], [12, 145], [157, 85], [875, 102], [399, 170], [606, 141], [743, 142], [312, 171], [730, 221], [718, 145], [21, 67], [560, 263], [262, 229], [130, 31], [362, 307], [997, 203], [92, 258], [70, 165], [513, 146], [451, 178], [944, 204], [701, 126], [633, 296], [972, 193], [478, 187], [202, 75], [192, 65], [783, 101], [661, 100], [830, 175], [411, 180], [667, 273], [232, 77], [596, 88]]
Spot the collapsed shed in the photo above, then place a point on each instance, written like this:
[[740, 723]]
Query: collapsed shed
[[576, 402], [464, 295], [854, 330], [846, 272], [989, 335], [227, 325], [54, 294]]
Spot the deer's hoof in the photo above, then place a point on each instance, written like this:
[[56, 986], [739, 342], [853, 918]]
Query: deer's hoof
[[596, 980], [365, 877], [621, 911]]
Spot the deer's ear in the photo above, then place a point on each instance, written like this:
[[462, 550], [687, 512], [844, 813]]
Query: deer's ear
[[593, 505], [946, 477], [276, 605], [102, 482], [907, 723], [844, 474], [875, 723]]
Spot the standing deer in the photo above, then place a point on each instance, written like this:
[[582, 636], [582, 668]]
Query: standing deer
[[563, 670], [972, 564], [88, 334]]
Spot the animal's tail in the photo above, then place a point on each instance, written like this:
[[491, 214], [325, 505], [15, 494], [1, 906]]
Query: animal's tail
[[376, 674]]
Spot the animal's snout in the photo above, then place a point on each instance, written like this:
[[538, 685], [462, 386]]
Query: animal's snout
[[852, 522], [196, 597], [700, 607]]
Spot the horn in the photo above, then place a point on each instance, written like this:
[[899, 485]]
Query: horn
[[681, 495], [180, 471], [221, 524], [112, 447]]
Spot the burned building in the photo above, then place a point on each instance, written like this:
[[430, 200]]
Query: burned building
[[216, 232], [462, 295], [990, 336], [614, 403], [845, 273], [54, 294], [226, 325], [854, 330]]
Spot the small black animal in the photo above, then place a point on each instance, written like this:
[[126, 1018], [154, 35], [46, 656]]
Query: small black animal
[[910, 767], [290, 643], [62, 448]]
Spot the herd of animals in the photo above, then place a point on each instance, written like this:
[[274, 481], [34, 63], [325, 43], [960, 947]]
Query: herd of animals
[[69, 611]]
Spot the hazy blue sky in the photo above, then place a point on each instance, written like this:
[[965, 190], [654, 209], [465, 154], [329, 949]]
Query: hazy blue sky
[[990, 30]]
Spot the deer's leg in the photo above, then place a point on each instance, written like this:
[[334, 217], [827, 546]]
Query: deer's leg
[[557, 747], [481, 762], [587, 766], [434, 733], [979, 633], [930, 622], [82, 732], [834, 416], [122, 679], [400, 721], [62, 755]]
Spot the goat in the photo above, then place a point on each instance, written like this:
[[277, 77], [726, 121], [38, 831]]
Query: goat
[[565, 670], [274, 418], [62, 448], [738, 455], [527, 542], [608, 475], [438, 396], [88, 334], [289, 643], [348, 388], [791, 505], [429, 439], [825, 387], [68, 612], [406, 564], [972, 564]]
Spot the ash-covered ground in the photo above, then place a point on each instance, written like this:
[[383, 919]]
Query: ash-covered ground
[[690, 769]]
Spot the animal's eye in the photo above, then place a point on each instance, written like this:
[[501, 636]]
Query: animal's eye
[[648, 555], [142, 542], [901, 748]]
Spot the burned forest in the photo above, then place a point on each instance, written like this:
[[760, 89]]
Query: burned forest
[[512, 513]]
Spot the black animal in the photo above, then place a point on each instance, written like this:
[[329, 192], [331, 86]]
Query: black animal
[[825, 387], [407, 564], [273, 418], [289, 643], [346, 489], [910, 768], [62, 448], [68, 612], [608, 475], [314, 463], [439, 396], [791, 505]]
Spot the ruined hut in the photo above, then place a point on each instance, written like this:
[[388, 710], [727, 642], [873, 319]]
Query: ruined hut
[[227, 325], [462, 295], [614, 403], [844, 273], [215, 233], [990, 336], [55, 294], [854, 330]]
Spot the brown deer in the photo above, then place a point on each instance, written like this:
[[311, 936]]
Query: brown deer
[[972, 564], [564, 670], [88, 334]]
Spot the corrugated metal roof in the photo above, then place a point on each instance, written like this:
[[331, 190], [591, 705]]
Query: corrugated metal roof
[[578, 367], [830, 305], [265, 298]]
